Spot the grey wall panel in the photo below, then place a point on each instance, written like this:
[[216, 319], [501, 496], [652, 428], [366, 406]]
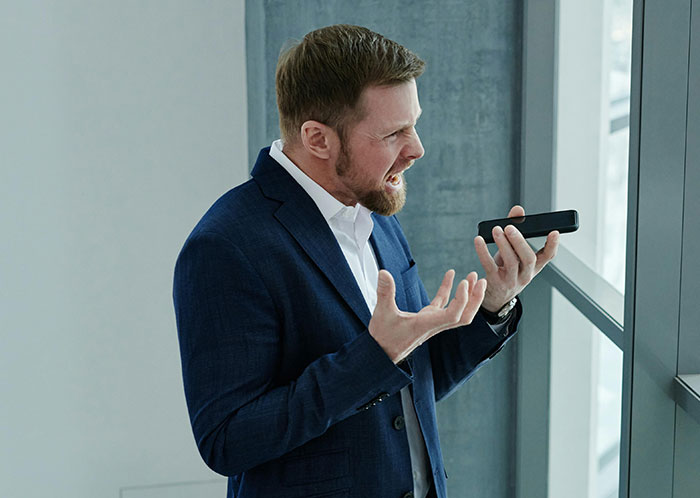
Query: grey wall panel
[[121, 122], [256, 76], [203, 489], [470, 95], [654, 324], [686, 483], [689, 347]]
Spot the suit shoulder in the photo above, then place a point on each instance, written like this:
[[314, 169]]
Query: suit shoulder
[[241, 209]]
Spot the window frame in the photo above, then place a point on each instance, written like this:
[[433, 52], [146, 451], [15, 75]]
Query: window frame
[[660, 308]]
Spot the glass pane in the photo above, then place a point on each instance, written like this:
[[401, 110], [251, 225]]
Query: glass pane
[[593, 94], [591, 283], [585, 407]]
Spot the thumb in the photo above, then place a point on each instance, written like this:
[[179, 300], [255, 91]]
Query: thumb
[[386, 291]]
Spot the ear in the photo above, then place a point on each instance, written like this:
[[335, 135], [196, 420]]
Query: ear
[[319, 140]]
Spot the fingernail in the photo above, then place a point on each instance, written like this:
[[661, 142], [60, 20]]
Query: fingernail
[[510, 230]]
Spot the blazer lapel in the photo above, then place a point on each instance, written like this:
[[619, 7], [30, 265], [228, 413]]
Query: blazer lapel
[[390, 258], [301, 218]]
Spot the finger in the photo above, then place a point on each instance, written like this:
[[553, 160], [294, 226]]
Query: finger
[[523, 250], [443, 294], [386, 292], [487, 262], [547, 253], [478, 294], [434, 322], [454, 310], [471, 281], [516, 211], [498, 259], [476, 297], [510, 260]]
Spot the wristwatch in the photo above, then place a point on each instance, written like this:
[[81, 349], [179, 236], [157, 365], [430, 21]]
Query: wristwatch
[[500, 316]]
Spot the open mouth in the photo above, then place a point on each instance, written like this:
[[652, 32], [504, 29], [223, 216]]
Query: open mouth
[[394, 182]]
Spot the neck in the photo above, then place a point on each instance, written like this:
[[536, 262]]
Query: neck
[[322, 171]]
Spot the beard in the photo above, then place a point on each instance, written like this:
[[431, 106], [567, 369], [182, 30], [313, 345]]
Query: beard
[[376, 199]]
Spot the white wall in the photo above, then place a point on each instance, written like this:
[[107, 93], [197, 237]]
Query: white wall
[[120, 123]]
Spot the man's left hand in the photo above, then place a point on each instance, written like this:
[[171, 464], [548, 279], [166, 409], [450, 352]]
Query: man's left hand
[[514, 265]]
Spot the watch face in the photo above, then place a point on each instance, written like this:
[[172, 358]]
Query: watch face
[[506, 309]]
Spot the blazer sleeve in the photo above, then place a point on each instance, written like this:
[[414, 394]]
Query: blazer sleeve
[[230, 342], [460, 352]]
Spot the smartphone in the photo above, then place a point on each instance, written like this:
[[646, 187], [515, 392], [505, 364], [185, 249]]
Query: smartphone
[[533, 225]]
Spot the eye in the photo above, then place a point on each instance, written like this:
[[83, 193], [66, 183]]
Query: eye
[[394, 135]]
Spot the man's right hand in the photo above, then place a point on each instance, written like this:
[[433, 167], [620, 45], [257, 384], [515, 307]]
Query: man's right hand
[[400, 332]]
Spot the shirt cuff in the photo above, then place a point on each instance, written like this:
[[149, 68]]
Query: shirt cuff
[[501, 330], [506, 328]]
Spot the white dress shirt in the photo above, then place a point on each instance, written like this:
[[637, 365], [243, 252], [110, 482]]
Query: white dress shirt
[[352, 227]]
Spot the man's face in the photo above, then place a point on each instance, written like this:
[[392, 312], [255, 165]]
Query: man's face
[[380, 147]]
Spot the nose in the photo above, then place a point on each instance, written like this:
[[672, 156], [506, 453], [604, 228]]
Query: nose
[[414, 148]]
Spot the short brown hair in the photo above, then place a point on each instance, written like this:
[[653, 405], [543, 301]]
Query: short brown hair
[[322, 77]]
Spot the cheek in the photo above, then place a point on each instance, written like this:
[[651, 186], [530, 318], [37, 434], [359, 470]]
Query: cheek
[[375, 163], [385, 159]]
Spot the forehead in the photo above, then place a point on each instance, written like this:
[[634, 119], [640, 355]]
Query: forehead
[[394, 106]]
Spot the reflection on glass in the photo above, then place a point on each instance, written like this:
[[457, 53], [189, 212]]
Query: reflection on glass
[[585, 407], [609, 416], [615, 189], [593, 129], [615, 198]]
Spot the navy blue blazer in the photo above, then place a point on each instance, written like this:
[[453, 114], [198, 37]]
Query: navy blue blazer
[[288, 394]]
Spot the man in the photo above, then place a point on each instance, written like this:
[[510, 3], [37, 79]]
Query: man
[[312, 357]]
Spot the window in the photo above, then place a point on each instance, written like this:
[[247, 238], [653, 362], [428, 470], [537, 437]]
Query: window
[[584, 118], [590, 174]]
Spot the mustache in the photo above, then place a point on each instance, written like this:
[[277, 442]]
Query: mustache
[[402, 168]]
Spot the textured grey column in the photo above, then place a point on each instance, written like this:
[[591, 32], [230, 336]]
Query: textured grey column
[[470, 95]]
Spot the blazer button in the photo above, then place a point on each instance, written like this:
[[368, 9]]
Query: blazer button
[[399, 424], [408, 495]]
